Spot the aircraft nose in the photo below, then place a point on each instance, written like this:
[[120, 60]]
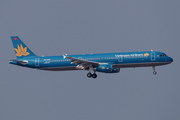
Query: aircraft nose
[[170, 60]]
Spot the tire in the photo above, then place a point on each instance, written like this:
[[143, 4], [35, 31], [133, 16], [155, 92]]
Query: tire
[[154, 72], [94, 75], [89, 75]]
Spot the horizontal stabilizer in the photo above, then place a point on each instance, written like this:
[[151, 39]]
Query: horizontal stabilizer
[[18, 61]]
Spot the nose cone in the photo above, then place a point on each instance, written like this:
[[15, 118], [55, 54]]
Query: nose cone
[[170, 60]]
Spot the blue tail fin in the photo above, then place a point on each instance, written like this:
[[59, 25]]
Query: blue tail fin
[[21, 50]]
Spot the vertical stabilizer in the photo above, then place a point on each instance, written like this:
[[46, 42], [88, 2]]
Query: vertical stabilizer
[[21, 50]]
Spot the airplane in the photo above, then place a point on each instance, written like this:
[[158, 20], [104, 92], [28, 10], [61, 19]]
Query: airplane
[[103, 62]]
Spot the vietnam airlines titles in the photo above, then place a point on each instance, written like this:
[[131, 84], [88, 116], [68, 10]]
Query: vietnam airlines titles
[[105, 62]]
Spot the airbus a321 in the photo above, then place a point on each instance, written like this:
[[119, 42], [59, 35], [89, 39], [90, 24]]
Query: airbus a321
[[105, 62]]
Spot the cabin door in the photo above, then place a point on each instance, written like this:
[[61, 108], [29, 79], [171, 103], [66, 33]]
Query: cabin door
[[37, 62], [120, 59], [153, 56]]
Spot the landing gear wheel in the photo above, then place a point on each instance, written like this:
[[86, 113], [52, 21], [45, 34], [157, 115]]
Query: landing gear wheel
[[89, 75], [154, 72], [94, 75]]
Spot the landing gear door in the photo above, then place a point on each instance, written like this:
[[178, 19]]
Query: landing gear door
[[37, 62], [153, 58]]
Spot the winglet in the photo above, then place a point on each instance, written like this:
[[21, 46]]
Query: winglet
[[64, 56]]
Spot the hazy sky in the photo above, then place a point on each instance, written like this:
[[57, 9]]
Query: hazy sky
[[56, 27]]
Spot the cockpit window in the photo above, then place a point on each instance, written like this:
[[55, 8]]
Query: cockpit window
[[163, 55]]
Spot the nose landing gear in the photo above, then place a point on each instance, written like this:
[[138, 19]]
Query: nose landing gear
[[154, 71]]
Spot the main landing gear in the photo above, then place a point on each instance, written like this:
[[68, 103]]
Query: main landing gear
[[89, 75], [154, 71], [94, 75]]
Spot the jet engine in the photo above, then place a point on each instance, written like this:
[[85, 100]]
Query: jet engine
[[107, 68]]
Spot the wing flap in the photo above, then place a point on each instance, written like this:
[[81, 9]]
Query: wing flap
[[82, 62]]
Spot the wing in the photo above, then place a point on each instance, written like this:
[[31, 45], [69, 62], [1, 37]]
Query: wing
[[83, 63]]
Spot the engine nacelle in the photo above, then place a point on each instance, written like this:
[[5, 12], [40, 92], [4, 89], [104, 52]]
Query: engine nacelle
[[107, 68], [114, 70]]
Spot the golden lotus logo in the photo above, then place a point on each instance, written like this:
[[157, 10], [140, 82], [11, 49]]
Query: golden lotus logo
[[103, 67], [146, 54], [21, 51]]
